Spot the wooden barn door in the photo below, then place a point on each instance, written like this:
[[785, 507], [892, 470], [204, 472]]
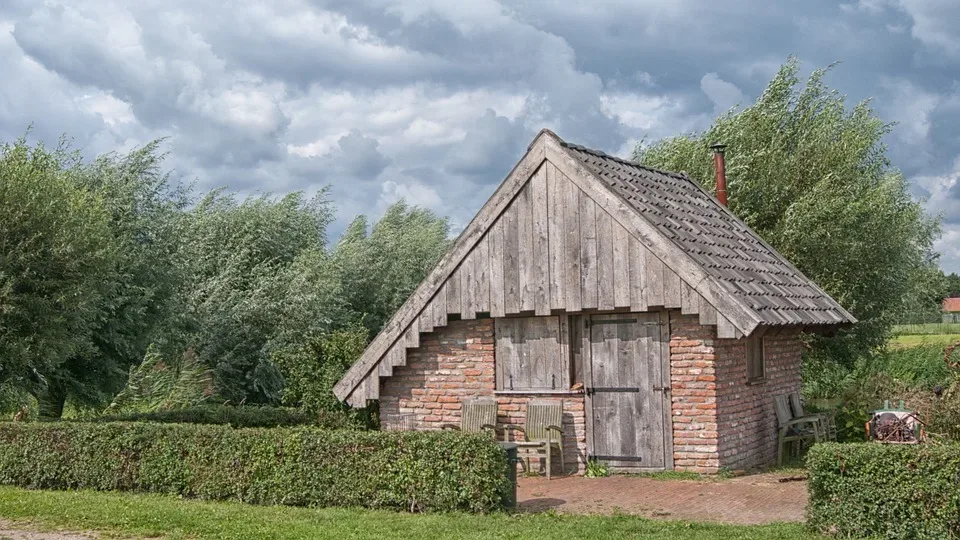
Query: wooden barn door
[[628, 380]]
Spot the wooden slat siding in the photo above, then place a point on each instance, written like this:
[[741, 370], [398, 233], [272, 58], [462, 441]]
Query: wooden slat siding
[[541, 242], [528, 348], [468, 307], [571, 245], [453, 291], [481, 275], [725, 329], [621, 266], [528, 266], [556, 229], [412, 335], [647, 233], [653, 282], [671, 288], [412, 307], [689, 300], [588, 252], [708, 313], [511, 259], [439, 304], [384, 368], [426, 318], [398, 353], [495, 241], [605, 241], [638, 276]]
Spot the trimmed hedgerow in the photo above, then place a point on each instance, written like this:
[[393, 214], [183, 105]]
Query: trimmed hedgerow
[[889, 491], [241, 417], [414, 471]]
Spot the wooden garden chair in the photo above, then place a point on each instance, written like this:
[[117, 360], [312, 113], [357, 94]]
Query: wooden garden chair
[[477, 415], [541, 431], [802, 430], [827, 427]]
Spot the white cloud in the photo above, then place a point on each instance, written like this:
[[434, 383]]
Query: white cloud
[[724, 95]]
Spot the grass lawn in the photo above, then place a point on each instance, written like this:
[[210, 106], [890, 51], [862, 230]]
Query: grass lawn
[[913, 340], [154, 515]]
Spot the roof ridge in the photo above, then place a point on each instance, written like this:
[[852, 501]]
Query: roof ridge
[[602, 154]]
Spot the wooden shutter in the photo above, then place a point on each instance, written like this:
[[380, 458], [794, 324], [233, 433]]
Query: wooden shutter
[[531, 354]]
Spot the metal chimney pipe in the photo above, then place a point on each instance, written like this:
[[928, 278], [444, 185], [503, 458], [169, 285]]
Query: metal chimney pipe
[[720, 170]]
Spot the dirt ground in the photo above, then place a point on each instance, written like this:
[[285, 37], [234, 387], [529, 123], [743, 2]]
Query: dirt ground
[[14, 531], [747, 500]]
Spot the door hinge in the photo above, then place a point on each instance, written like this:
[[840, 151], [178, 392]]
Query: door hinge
[[664, 389], [606, 389]]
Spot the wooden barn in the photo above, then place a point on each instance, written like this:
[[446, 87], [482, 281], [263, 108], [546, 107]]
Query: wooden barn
[[657, 321]]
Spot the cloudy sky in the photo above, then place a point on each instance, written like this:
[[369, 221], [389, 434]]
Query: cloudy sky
[[435, 100]]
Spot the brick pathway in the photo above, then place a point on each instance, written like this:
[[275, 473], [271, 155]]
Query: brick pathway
[[753, 499]]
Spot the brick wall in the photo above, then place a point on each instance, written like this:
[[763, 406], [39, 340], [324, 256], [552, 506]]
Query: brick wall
[[718, 420], [456, 362], [746, 419], [693, 394]]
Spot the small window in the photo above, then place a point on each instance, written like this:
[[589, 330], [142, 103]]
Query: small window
[[531, 354], [755, 359]]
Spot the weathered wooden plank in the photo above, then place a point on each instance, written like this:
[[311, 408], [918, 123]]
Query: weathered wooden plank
[[511, 260], [500, 199], [541, 242], [605, 242], [671, 288], [621, 266], [528, 353], [689, 299], [468, 308], [588, 252], [397, 355], [638, 273], [495, 239], [528, 266], [664, 343], [556, 228], [453, 291], [725, 329], [481, 276], [440, 307], [425, 318], [654, 279], [384, 368], [708, 313], [412, 336], [571, 238]]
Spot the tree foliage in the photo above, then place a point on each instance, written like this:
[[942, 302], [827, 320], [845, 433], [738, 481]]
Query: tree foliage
[[57, 260], [811, 176]]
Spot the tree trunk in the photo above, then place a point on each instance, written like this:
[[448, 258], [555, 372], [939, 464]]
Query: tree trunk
[[50, 400]]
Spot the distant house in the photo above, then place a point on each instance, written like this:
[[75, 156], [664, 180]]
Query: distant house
[[659, 321], [951, 310]]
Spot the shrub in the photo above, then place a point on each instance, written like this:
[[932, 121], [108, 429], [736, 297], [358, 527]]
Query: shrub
[[890, 491], [414, 471], [245, 417]]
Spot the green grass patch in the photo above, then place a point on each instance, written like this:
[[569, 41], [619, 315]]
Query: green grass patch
[[916, 340], [169, 517], [928, 328]]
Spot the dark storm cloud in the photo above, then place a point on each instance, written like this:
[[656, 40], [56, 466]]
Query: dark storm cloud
[[435, 100]]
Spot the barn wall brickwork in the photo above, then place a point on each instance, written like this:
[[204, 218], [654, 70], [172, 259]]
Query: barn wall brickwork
[[718, 420]]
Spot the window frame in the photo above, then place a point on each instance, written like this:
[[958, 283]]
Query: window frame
[[755, 347]]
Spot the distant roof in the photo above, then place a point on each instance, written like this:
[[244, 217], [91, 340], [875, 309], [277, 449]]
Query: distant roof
[[729, 251], [951, 305]]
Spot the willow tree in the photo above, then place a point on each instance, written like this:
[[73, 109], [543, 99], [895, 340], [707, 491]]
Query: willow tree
[[812, 176]]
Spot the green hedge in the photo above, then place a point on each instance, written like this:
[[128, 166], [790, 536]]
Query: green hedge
[[889, 491], [240, 417], [291, 466]]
